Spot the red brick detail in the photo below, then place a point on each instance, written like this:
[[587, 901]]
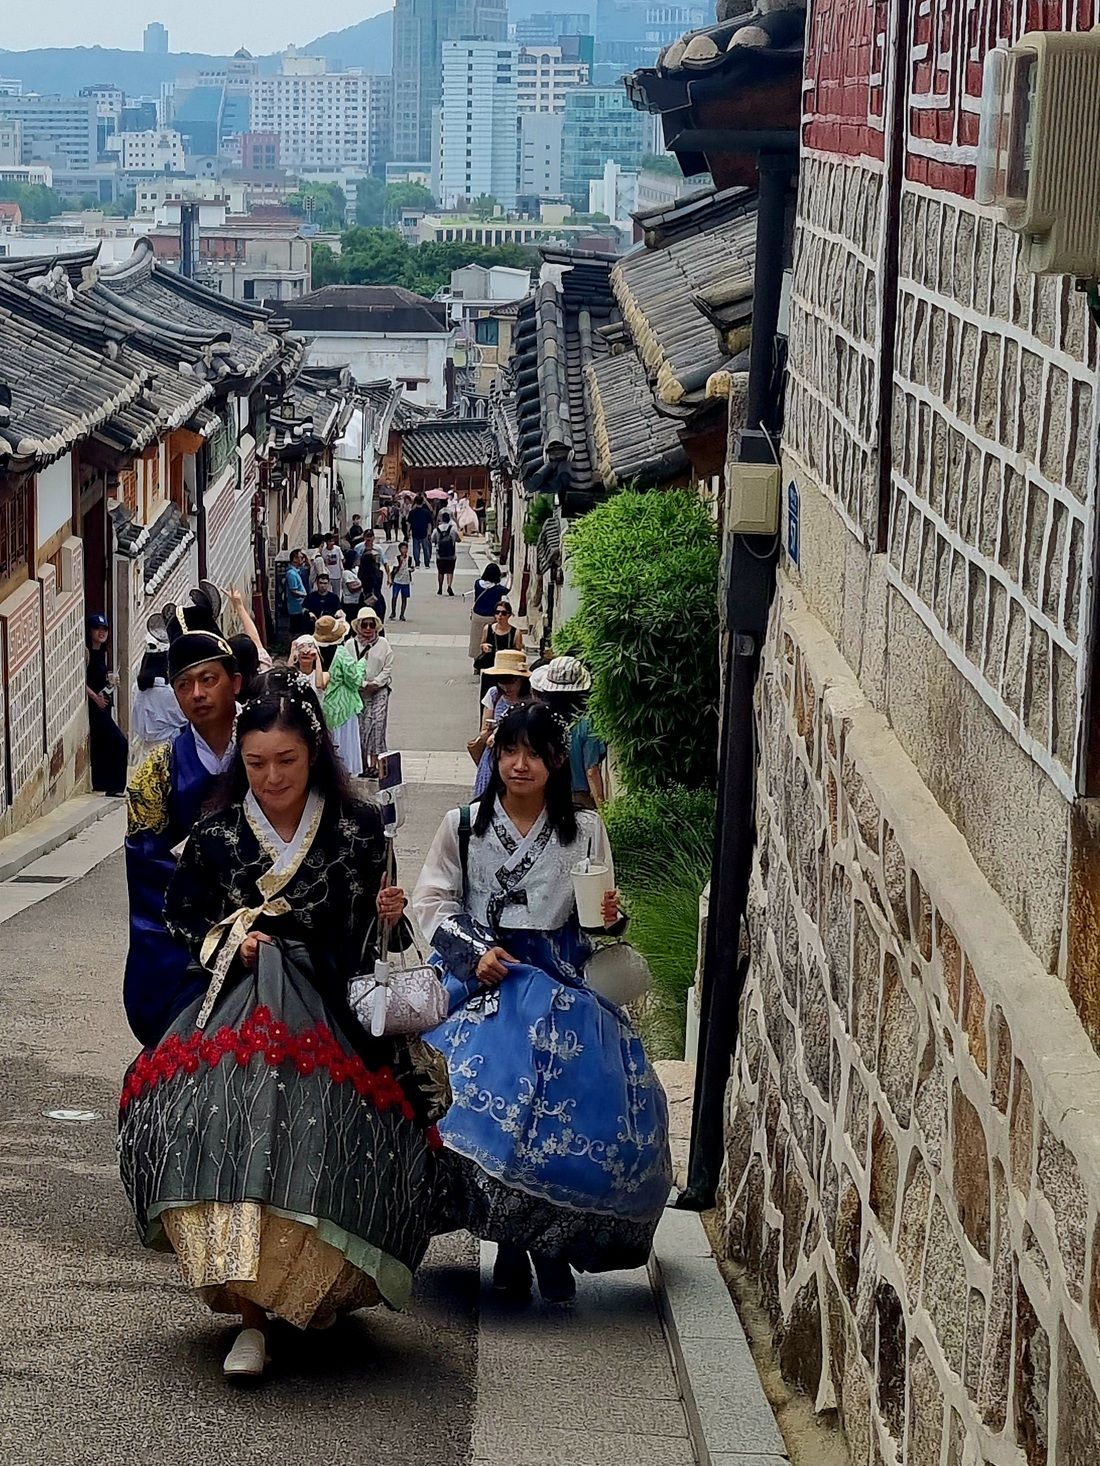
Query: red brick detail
[[845, 58]]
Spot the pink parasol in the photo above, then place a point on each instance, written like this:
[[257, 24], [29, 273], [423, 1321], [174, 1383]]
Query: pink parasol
[[436, 494]]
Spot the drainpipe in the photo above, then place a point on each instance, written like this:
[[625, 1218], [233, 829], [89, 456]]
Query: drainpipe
[[750, 582]]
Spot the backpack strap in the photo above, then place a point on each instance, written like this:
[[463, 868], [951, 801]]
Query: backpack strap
[[464, 828]]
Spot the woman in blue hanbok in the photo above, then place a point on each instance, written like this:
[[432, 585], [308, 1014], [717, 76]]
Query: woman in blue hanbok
[[557, 1140]]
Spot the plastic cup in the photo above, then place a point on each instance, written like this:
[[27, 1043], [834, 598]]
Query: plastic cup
[[591, 882]]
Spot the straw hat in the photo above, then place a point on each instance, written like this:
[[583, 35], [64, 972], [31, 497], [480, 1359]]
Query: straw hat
[[509, 664], [561, 674], [368, 614], [331, 630]]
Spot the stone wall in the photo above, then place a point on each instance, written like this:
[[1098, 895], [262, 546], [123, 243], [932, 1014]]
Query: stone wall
[[914, 1153]]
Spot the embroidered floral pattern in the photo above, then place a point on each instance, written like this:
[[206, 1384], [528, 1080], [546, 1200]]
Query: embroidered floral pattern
[[261, 1037], [147, 794]]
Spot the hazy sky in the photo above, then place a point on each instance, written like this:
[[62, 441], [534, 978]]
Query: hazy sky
[[217, 26]]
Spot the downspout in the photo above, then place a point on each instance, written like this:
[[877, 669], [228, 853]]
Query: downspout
[[750, 582], [891, 255]]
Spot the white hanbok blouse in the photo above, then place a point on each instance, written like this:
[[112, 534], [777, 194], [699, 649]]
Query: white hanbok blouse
[[501, 863], [376, 662]]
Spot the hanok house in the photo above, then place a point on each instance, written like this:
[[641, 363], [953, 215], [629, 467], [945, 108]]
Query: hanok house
[[166, 484], [447, 454], [627, 374], [912, 1159], [54, 393]]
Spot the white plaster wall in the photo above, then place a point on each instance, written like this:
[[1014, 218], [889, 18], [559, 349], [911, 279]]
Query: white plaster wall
[[380, 357]]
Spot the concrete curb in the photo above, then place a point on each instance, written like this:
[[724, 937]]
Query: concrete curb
[[43, 835], [729, 1417]]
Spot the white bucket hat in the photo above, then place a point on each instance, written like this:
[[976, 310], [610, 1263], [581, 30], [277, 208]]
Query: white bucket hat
[[562, 674]]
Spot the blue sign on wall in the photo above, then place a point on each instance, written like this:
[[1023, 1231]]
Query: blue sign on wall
[[793, 546]]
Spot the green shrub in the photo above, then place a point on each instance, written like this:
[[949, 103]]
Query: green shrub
[[645, 567], [662, 845], [538, 512]]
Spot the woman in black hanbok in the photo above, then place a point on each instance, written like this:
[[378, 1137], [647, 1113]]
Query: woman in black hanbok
[[287, 1156], [107, 748]]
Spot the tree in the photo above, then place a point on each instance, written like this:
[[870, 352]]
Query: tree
[[370, 202], [88, 201], [322, 204], [484, 206], [406, 196], [381, 257], [123, 206], [325, 267], [36, 202], [662, 163]]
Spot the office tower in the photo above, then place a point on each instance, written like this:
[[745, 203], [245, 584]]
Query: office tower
[[320, 116], [547, 26], [420, 28], [155, 40], [477, 130], [600, 124], [544, 76], [540, 154], [55, 129]]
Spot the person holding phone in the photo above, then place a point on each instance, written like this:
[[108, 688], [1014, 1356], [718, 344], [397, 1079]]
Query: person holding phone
[[556, 1145]]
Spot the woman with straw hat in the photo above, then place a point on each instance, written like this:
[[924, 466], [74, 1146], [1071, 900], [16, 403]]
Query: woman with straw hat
[[510, 685], [330, 633], [375, 660], [564, 684], [341, 702]]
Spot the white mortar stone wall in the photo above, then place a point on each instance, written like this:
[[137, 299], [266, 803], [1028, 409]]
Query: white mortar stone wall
[[914, 1153], [831, 413], [994, 482]]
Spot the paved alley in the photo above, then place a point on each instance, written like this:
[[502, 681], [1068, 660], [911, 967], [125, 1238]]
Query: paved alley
[[106, 1358]]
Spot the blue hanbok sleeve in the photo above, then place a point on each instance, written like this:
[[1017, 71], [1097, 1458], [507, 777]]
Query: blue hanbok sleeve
[[437, 903]]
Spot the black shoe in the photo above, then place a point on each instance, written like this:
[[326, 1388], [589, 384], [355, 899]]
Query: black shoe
[[450, 592], [512, 1271], [439, 592], [556, 1281]]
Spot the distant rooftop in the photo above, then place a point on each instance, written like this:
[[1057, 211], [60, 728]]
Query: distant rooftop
[[368, 308]]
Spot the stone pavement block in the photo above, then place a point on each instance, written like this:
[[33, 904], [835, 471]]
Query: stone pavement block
[[51, 830], [701, 1311], [736, 1459], [719, 1364], [542, 1365], [512, 1445], [738, 1419], [683, 1236], [589, 1409]]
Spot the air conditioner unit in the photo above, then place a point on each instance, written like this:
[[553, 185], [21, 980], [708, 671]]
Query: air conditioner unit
[[1039, 148]]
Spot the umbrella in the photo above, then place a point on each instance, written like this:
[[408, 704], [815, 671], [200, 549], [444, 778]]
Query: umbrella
[[436, 494]]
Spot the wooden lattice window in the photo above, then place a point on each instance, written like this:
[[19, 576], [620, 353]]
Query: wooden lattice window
[[15, 535]]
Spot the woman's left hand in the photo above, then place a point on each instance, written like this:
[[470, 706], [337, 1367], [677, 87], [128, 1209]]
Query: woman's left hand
[[611, 911], [390, 902]]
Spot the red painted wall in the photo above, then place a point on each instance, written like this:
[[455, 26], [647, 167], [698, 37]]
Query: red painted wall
[[847, 73]]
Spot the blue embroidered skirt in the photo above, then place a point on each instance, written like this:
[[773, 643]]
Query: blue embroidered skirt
[[557, 1139]]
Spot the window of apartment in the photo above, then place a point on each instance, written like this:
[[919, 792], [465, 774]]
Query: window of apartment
[[487, 332], [15, 536]]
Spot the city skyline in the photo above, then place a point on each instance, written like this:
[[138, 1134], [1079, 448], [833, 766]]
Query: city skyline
[[202, 26]]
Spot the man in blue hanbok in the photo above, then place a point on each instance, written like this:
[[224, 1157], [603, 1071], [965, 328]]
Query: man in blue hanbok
[[166, 795]]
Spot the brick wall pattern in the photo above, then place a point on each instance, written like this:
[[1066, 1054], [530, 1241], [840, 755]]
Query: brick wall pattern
[[914, 1131], [21, 624], [229, 557], [63, 650]]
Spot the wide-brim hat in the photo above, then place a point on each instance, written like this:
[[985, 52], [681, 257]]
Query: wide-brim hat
[[331, 630], [368, 614], [509, 664], [561, 674]]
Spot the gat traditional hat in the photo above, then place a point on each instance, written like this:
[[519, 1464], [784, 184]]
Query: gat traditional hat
[[331, 630], [509, 664], [561, 674], [194, 635]]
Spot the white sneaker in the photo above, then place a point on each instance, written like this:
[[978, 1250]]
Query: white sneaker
[[248, 1357]]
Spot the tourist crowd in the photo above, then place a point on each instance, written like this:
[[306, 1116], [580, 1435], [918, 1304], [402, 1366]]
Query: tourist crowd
[[314, 1098]]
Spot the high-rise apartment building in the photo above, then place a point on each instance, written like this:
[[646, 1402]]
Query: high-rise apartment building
[[320, 116], [420, 28], [155, 40], [478, 122], [545, 74], [600, 124], [59, 130], [547, 26]]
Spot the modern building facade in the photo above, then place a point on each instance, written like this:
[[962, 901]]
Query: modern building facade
[[539, 164], [478, 126], [544, 74], [321, 116], [420, 27], [55, 129], [600, 124], [155, 40], [153, 152]]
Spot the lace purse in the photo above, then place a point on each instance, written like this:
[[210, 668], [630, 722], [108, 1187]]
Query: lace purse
[[398, 999]]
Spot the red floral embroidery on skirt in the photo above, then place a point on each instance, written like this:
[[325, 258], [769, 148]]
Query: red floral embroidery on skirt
[[263, 1037]]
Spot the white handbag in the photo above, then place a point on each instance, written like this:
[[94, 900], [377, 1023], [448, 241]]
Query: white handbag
[[397, 999], [619, 973]]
